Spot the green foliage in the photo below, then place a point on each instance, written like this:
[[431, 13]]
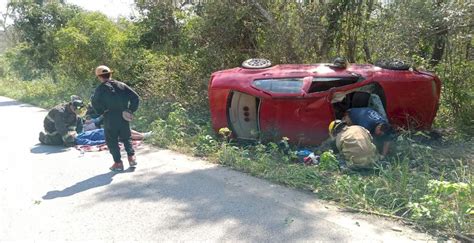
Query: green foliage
[[165, 79], [159, 30], [39, 92], [225, 34], [3, 67], [19, 62], [91, 39], [328, 161], [407, 25], [176, 130], [457, 96], [205, 144], [35, 26], [445, 203]]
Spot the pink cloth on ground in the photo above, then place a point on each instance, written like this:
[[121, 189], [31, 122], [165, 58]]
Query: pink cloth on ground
[[101, 147]]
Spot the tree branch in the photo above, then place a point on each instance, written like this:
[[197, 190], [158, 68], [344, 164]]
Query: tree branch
[[448, 29], [264, 12]]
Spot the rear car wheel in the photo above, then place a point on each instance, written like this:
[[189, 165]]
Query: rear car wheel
[[392, 64], [256, 63]]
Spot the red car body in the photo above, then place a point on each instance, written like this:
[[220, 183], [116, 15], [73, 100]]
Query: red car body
[[299, 101]]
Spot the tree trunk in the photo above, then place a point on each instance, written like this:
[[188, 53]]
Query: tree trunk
[[438, 48], [264, 13], [335, 12], [440, 39], [469, 54], [368, 57], [351, 49], [370, 7]]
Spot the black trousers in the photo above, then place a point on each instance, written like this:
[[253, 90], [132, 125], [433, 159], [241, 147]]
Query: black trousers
[[116, 132], [51, 139]]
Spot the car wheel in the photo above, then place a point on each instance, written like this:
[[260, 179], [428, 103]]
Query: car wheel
[[256, 63], [392, 64]]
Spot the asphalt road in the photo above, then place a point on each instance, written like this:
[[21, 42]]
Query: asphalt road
[[50, 193]]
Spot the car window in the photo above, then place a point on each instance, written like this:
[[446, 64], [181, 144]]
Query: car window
[[319, 84], [283, 86]]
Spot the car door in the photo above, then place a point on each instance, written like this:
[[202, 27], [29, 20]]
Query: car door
[[279, 113], [317, 111]]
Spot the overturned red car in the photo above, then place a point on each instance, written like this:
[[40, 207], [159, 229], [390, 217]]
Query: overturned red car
[[299, 101]]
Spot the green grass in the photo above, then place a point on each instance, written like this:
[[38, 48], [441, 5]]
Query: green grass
[[428, 183]]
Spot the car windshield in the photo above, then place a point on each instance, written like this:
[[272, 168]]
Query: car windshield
[[283, 86], [320, 84]]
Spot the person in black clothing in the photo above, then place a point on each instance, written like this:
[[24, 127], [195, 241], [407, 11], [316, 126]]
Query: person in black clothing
[[116, 102], [62, 123]]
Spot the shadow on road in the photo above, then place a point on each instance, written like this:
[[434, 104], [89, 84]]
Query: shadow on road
[[48, 149], [9, 103], [93, 182], [204, 199], [14, 103]]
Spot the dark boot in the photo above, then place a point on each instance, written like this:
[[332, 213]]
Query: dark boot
[[42, 137], [132, 161], [117, 166]]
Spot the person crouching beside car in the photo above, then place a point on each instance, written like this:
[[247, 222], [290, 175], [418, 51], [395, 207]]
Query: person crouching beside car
[[62, 123], [375, 123], [355, 144]]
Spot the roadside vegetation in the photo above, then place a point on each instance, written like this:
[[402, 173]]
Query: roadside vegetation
[[168, 52]]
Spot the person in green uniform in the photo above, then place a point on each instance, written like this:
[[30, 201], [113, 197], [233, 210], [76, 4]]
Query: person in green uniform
[[62, 123], [117, 102]]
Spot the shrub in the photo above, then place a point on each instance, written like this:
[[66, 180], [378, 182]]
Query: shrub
[[176, 130], [457, 99], [446, 203]]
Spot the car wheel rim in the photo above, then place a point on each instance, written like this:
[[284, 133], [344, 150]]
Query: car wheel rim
[[256, 63]]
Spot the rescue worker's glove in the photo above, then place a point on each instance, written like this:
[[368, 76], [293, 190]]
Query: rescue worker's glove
[[70, 139]]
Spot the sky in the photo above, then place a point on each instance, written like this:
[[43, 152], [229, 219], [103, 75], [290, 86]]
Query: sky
[[112, 8]]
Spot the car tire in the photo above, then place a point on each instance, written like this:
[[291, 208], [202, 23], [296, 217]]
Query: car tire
[[256, 63], [392, 64]]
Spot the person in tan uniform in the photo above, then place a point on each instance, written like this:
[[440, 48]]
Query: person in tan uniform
[[355, 144]]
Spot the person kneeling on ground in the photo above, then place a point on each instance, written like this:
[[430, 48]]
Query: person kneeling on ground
[[62, 123], [355, 144]]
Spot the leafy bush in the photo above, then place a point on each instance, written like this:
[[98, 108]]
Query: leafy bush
[[89, 39], [445, 203], [328, 161], [457, 97], [19, 63], [39, 92], [176, 130]]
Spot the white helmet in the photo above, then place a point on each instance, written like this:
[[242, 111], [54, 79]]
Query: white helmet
[[102, 69]]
